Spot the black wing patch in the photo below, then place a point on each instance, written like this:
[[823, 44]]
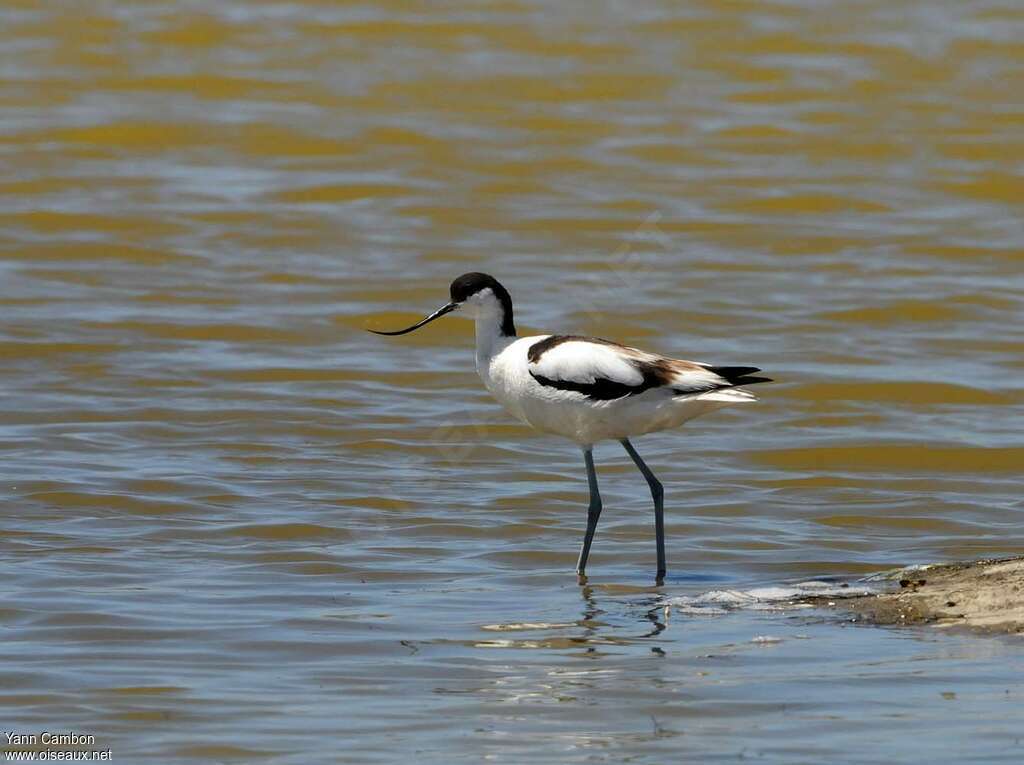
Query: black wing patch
[[601, 389], [541, 347]]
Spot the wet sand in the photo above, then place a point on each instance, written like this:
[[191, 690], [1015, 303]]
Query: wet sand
[[982, 596]]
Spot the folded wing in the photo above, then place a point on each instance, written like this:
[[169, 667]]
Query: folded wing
[[601, 370]]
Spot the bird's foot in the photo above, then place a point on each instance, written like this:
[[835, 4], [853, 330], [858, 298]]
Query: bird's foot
[[581, 579]]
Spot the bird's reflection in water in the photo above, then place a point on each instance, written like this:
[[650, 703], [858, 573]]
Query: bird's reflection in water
[[592, 632], [589, 622], [653, 612]]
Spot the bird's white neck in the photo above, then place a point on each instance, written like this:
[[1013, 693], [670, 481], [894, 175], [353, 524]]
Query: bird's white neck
[[490, 339]]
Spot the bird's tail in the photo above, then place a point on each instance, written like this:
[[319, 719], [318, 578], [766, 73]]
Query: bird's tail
[[726, 396]]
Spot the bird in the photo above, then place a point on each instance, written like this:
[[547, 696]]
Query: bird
[[588, 389]]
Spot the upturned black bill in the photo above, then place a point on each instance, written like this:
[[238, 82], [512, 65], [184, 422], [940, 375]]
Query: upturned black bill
[[435, 315]]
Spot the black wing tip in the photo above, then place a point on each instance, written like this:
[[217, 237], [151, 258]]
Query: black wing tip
[[728, 372], [736, 376], [749, 380]]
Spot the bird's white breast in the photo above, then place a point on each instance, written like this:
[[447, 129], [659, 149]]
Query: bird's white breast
[[506, 375]]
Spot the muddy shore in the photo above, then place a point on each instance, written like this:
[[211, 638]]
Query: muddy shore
[[983, 596]]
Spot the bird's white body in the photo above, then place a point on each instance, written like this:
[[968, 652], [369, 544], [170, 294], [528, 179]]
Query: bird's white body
[[504, 365]]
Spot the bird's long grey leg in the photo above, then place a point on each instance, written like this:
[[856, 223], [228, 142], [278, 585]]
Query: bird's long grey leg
[[658, 495], [593, 514]]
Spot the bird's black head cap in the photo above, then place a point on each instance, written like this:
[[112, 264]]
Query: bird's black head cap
[[469, 284]]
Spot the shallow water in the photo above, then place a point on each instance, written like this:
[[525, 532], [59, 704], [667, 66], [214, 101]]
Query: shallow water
[[239, 528]]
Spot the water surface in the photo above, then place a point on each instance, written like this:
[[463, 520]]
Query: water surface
[[239, 528]]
